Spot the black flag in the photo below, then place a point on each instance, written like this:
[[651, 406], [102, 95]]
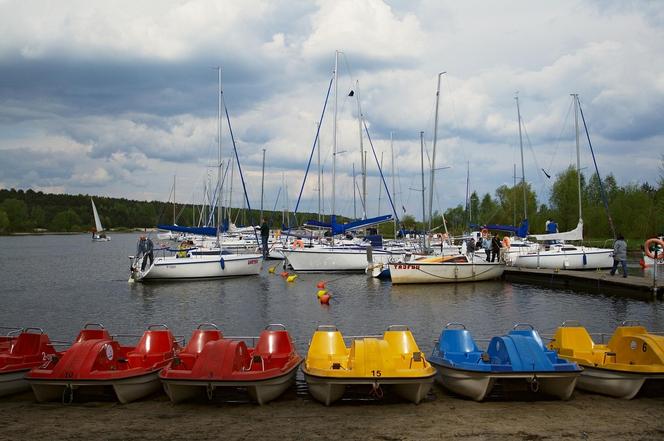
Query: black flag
[[352, 92]]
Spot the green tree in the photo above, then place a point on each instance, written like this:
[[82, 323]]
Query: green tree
[[564, 199], [66, 220], [17, 213], [4, 221]]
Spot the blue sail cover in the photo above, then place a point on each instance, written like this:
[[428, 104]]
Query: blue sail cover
[[520, 231], [336, 228], [204, 231]]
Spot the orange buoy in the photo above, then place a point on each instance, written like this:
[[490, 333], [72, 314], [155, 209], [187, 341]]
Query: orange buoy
[[325, 299], [321, 293], [321, 285], [285, 274]]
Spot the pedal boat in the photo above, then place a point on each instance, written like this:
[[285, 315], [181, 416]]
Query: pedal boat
[[20, 351], [518, 359], [394, 360], [97, 360], [620, 368], [210, 361]]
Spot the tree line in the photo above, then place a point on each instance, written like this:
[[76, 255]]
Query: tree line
[[637, 211]]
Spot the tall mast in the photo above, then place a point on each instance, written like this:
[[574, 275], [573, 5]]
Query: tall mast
[[354, 192], [575, 98], [394, 186], [319, 172], [380, 187], [363, 164], [433, 155], [220, 97], [523, 172], [334, 131], [424, 207], [174, 199], [262, 184]]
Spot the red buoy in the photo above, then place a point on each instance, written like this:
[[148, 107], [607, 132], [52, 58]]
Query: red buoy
[[321, 285], [284, 274], [325, 299]]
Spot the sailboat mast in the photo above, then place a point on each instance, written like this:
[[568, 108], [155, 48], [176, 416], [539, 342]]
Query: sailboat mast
[[363, 164], [354, 193], [262, 184], [219, 223], [319, 172], [334, 131], [174, 199], [523, 172], [394, 187], [433, 155], [575, 98], [424, 207]]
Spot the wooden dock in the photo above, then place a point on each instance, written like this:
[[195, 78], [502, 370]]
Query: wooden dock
[[595, 281]]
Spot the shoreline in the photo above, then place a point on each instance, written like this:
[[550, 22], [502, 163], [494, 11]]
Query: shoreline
[[296, 416]]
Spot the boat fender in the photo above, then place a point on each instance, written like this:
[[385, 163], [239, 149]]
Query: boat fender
[[67, 394], [534, 384], [222, 263], [298, 244]]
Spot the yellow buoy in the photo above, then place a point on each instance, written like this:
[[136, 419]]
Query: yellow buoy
[[271, 269], [321, 293], [291, 278]]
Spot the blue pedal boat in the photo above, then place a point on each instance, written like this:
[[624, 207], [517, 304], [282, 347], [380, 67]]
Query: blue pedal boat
[[518, 357]]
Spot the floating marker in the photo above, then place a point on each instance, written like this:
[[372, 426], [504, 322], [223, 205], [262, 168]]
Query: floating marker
[[291, 278], [271, 269], [325, 299], [321, 285], [321, 293], [285, 274]]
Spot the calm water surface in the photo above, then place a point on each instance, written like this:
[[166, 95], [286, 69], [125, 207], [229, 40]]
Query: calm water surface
[[59, 283]]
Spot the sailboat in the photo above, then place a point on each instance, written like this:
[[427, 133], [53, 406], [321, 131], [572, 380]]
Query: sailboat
[[555, 253], [201, 262], [337, 255], [98, 234]]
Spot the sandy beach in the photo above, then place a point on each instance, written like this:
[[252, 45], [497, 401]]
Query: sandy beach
[[294, 416]]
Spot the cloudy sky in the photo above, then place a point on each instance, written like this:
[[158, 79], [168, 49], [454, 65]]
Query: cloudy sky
[[117, 98]]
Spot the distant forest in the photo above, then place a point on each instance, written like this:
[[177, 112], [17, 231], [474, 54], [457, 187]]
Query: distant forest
[[636, 211]]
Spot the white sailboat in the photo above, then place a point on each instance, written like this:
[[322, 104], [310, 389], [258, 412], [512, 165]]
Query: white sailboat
[[555, 253], [98, 234], [200, 262]]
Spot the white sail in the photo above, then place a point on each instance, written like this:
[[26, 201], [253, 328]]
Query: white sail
[[96, 215], [575, 234]]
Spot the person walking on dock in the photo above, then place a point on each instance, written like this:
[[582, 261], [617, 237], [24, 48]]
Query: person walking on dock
[[619, 255]]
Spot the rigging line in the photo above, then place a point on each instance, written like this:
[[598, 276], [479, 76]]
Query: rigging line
[[387, 191], [313, 147], [239, 168], [599, 178]]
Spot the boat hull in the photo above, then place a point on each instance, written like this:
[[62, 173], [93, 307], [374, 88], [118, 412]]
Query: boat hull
[[327, 390], [262, 391], [575, 260], [201, 267], [333, 259], [126, 389], [478, 385], [618, 384], [429, 272], [13, 382]]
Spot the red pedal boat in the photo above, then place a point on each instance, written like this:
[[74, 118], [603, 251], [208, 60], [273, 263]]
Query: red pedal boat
[[211, 361], [97, 359], [20, 351]]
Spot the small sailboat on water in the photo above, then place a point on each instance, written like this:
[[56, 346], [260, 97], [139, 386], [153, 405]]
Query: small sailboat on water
[[98, 234]]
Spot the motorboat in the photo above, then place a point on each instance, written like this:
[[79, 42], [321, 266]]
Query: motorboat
[[393, 360], [196, 266], [20, 351], [211, 361], [632, 357], [519, 359], [445, 269], [97, 359]]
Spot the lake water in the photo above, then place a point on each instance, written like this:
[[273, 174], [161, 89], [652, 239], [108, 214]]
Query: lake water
[[59, 283]]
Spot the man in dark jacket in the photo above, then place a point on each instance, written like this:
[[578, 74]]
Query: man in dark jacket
[[145, 248], [265, 235], [495, 247]]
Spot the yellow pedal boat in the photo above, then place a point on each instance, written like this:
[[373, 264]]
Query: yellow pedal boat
[[619, 368], [393, 359]]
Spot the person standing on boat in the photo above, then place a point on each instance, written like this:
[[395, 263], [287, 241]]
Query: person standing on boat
[[265, 235], [495, 247], [619, 255], [486, 244], [145, 248], [552, 227]]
